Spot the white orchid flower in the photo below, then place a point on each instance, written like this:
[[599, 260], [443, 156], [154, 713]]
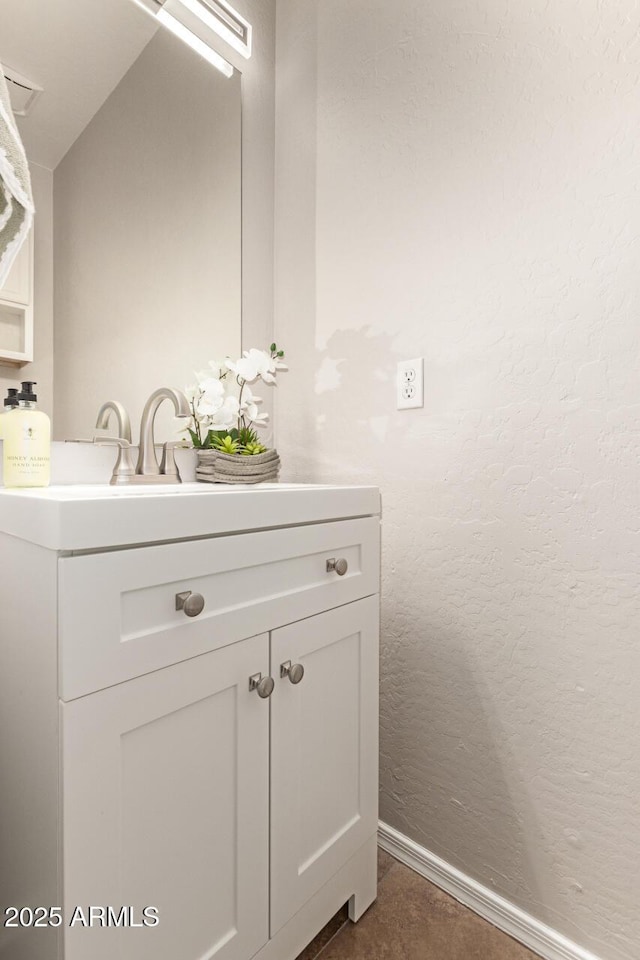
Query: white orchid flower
[[211, 397], [192, 392], [214, 396], [255, 363], [225, 417], [248, 407], [217, 369], [245, 367], [270, 367]]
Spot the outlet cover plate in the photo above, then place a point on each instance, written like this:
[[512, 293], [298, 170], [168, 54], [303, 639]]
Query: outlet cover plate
[[410, 384]]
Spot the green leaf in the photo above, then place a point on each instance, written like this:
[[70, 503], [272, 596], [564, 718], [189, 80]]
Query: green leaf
[[253, 449], [194, 438], [247, 435], [226, 444], [214, 435]]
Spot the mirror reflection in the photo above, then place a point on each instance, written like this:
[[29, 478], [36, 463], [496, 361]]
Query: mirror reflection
[[136, 169]]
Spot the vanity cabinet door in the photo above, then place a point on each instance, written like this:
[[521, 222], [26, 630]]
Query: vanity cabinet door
[[324, 750], [165, 805]]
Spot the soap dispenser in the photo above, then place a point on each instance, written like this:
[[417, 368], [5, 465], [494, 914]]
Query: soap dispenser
[[10, 402], [27, 442]]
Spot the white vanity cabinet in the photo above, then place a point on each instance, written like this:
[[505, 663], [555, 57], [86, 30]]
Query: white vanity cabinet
[[170, 784]]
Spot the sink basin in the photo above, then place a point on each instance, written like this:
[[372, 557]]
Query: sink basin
[[85, 516]]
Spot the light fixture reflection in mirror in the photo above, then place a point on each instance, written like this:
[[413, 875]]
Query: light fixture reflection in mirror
[[220, 17], [196, 44], [198, 22]]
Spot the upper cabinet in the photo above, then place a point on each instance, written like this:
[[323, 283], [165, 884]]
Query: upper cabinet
[[16, 309]]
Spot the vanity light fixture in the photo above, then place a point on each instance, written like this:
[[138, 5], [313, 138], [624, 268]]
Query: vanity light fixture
[[194, 21]]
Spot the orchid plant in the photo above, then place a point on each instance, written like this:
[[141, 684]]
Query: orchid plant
[[223, 406]]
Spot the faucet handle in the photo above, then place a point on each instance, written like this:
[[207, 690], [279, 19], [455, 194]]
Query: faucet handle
[[124, 468], [168, 465], [124, 422], [110, 442]]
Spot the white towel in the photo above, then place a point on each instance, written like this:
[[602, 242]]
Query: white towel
[[16, 200]]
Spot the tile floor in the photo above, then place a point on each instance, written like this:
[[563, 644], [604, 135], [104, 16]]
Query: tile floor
[[412, 920]]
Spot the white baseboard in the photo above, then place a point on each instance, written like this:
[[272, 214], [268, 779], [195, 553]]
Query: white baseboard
[[543, 940]]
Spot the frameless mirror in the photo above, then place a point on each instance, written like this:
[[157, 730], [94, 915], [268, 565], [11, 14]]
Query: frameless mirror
[[135, 149]]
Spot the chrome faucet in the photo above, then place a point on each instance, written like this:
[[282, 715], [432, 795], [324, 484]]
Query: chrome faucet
[[147, 468]]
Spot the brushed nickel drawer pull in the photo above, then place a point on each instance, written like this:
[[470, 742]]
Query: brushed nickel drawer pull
[[190, 603], [337, 566]]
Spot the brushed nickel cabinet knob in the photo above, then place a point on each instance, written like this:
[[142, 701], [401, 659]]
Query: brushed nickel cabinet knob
[[337, 566], [293, 672], [190, 603], [262, 685]]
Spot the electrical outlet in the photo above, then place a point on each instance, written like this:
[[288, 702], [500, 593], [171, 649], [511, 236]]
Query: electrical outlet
[[410, 384]]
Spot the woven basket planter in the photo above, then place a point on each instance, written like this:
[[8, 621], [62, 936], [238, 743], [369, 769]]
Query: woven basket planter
[[216, 467]]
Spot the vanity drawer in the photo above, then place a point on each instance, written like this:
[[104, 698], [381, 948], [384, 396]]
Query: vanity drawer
[[117, 611]]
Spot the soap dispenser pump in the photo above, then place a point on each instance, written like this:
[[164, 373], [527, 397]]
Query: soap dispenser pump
[[27, 442], [11, 399], [10, 402]]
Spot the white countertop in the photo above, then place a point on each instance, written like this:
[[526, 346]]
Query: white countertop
[[72, 517]]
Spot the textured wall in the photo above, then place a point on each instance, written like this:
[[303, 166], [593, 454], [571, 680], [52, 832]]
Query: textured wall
[[461, 180]]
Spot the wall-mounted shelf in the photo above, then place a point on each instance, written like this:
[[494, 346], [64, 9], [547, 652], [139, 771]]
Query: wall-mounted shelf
[[16, 310]]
